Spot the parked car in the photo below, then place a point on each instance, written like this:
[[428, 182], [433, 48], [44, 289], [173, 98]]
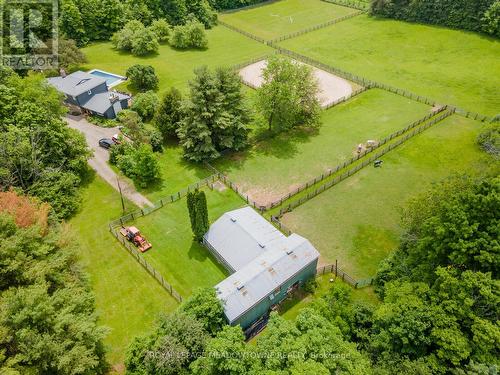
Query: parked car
[[106, 143]]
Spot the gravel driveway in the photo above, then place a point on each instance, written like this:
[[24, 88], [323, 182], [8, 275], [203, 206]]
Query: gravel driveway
[[99, 162]]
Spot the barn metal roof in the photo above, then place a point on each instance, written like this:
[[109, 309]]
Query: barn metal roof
[[242, 235], [264, 274]]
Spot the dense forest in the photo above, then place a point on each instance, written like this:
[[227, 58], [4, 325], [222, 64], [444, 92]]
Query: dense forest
[[473, 15]]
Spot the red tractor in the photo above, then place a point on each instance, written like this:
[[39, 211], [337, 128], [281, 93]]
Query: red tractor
[[134, 235]]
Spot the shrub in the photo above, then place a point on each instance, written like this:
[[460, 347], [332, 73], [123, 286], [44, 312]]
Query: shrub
[[169, 113], [155, 140], [142, 77], [311, 285], [138, 163], [145, 104], [144, 42], [123, 39], [161, 29], [190, 35]]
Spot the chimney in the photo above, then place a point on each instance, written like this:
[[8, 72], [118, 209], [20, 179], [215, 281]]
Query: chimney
[[62, 72], [113, 97]]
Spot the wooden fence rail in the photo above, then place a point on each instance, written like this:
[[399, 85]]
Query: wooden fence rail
[[349, 172], [142, 261], [338, 272]]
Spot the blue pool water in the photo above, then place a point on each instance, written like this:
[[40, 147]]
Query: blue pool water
[[111, 79]]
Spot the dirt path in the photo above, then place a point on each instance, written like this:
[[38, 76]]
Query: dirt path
[[99, 162]]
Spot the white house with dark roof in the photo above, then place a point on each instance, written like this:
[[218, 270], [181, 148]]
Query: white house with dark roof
[[91, 93], [265, 265]]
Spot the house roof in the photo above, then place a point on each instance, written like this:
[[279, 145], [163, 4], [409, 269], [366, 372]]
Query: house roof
[[101, 102], [76, 83], [264, 274], [240, 236]]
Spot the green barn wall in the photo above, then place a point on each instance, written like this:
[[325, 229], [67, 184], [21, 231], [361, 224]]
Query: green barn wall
[[263, 307]]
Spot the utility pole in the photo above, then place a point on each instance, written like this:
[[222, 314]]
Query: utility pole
[[121, 194]]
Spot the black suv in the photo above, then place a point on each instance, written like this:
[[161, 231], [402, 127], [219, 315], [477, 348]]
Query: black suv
[[106, 143]]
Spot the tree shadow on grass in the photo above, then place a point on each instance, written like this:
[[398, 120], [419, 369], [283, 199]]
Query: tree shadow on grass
[[200, 253], [281, 146]]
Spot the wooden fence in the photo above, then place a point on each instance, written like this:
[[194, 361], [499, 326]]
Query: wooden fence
[[349, 172], [346, 98], [243, 32], [139, 258], [162, 202], [338, 272], [362, 81], [360, 5], [315, 27], [114, 226]]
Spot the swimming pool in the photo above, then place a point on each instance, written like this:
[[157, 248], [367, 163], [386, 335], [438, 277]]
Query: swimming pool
[[111, 79]]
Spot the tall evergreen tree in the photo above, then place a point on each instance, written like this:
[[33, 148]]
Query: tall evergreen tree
[[230, 130], [195, 132], [198, 213], [216, 116]]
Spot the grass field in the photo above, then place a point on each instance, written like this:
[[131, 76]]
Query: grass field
[[128, 299], [278, 165], [283, 17], [175, 67], [357, 221], [176, 174], [183, 262], [452, 66]]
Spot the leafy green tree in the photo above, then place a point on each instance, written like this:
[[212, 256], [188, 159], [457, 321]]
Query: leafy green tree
[[71, 23], [454, 224], [48, 322], [70, 56], [142, 77], [146, 169], [170, 113], [40, 154], [177, 339], [161, 29], [133, 126], [145, 104], [202, 11], [155, 139], [174, 11], [205, 307], [190, 35], [144, 42], [288, 96], [224, 354], [491, 20], [124, 39]]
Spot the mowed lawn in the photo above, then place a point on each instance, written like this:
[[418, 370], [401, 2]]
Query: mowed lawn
[[358, 220], [184, 263], [128, 299], [176, 173], [277, 166], [280, 18], [451, 66], [175, 67]]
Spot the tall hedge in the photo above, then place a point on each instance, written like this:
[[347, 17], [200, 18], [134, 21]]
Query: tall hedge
[[458, 14], [232, 4]]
